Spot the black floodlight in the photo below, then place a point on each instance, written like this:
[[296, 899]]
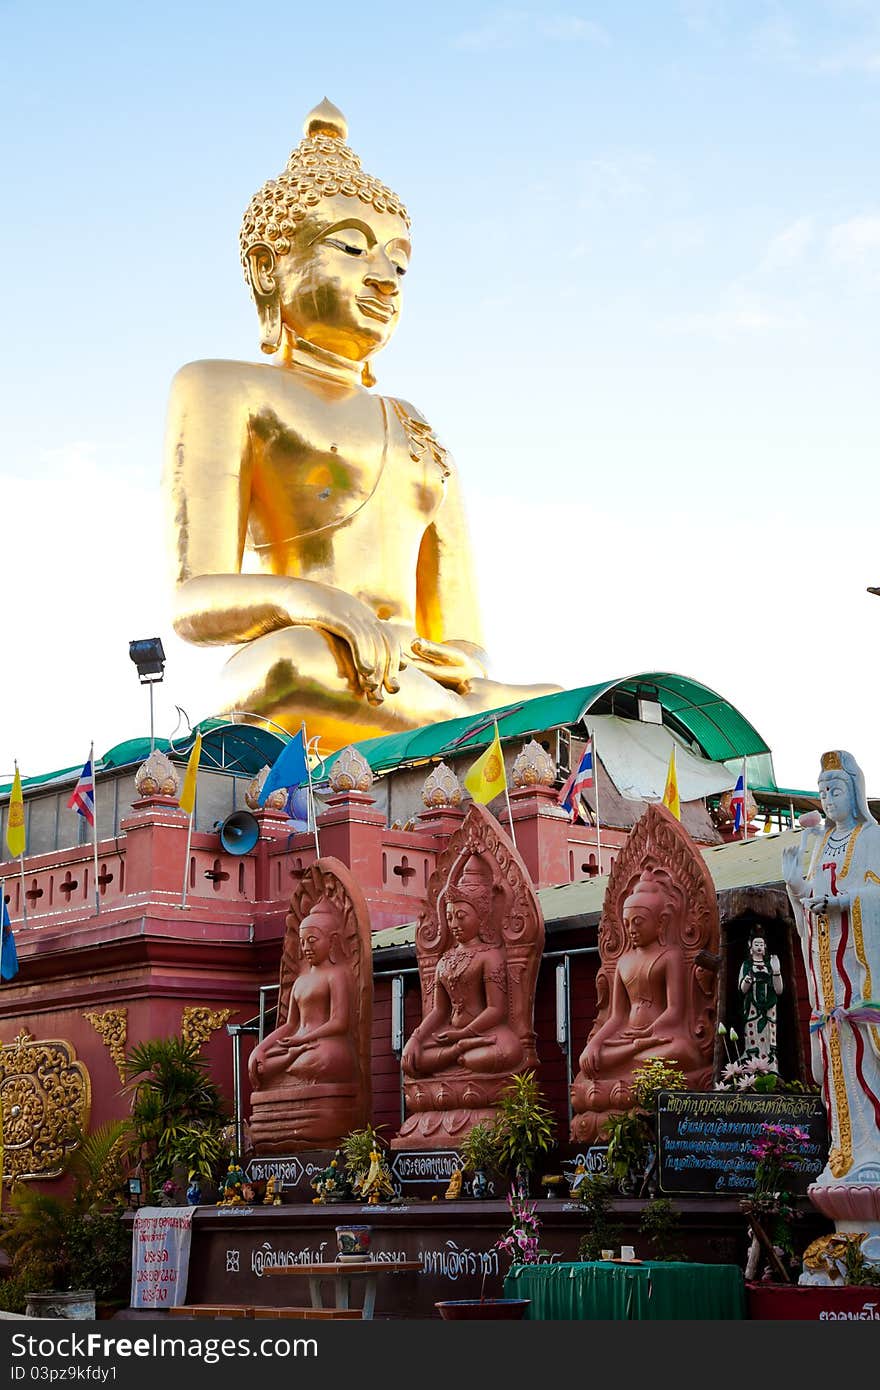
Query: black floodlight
[[148, 655]]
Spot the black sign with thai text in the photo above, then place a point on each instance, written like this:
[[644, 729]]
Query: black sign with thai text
[[705, 1138]]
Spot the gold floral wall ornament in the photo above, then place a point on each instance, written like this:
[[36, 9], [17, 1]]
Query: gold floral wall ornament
[[275, 801], [198, 1022], [112, 1028], [157, 776], [351, 772], [441, 788], [534, 767], [46, 1097]]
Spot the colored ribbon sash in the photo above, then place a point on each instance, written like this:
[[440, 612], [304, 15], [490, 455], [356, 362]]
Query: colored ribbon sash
[[868, 1011]]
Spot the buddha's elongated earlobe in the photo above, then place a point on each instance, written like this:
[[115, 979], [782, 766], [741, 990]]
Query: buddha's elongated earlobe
[[367, 376], [264, 288]]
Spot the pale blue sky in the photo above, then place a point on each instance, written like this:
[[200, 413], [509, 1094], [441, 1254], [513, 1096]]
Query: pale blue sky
[[642, 312]]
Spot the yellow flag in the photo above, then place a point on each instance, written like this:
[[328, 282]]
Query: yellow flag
[[486, 778], [15, 822], [670, 795], [187, 799], [768, 826]]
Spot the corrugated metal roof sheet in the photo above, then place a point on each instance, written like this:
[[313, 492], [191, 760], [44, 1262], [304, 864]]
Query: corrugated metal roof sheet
[[716, 725]]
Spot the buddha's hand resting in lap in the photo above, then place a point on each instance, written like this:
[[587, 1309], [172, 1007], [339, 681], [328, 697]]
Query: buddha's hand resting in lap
[[449, 663]]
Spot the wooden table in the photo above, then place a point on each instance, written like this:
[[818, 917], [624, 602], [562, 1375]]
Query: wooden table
[[342, 1272]]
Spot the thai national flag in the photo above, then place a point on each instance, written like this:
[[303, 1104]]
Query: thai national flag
[[83, 798], [578, 782], [738, 804]]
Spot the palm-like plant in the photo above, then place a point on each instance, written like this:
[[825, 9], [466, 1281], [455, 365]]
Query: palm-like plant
[[525, 1128], [46, 1236], [177, 1111]]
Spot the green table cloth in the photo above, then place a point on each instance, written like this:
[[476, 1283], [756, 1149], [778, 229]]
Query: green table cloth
[[653, 1290]]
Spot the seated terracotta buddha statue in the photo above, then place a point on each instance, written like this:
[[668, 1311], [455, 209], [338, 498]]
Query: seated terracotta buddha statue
[[478, 944], [311, 1075], [315, 526], [658, 940]]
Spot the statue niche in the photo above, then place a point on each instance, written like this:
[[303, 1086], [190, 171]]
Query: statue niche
[[656, 985], [310, 1078], [479, 942]]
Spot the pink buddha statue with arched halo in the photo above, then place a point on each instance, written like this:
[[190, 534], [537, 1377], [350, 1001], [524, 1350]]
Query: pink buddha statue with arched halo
[[311, 1074], [658, 940], [478, 942]]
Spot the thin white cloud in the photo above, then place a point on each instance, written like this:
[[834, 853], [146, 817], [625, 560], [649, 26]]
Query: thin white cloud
[[610, 178], [741, 312], [704, 16], [572, 29], [512, 28], [677, 236], [787, 249], [855, 243]]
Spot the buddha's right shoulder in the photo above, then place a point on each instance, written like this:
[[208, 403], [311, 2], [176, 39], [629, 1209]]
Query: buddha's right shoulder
[[215, 373]]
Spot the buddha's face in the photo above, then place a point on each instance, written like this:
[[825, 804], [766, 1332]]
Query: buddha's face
[[314, 942], [463, 921], [758, 950], [836, 797], [339, 285], [642, 916]]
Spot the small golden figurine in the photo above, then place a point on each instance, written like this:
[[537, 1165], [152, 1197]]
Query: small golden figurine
[[377, 1183], [453, 1191]]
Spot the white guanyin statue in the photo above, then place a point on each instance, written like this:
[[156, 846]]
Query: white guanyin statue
[[836, 902]]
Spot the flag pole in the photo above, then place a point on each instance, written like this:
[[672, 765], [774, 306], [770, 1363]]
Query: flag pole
[[745, 802], [312, 811], [596, 787], [21, 865], [95, 826], [506, 791], [189, 834]]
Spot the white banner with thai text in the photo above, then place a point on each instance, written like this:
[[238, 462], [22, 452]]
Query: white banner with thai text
[[160, 1256]]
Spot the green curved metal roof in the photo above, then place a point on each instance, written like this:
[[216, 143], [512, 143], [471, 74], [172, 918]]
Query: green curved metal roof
[[718, 728], [229, 747]]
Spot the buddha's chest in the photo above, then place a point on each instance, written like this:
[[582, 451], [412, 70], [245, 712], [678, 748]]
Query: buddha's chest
[[319, 464]]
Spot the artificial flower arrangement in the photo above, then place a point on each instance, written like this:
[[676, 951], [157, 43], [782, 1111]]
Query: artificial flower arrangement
[[744, 1073], [521, 1241], [771, 1207]]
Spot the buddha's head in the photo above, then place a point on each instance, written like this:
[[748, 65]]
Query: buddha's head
[[325, 247], [649, 909], [467, 903], [842, 789], [319, 933]]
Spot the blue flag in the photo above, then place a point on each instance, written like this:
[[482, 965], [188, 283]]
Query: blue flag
[[289, 769], [8, 953]]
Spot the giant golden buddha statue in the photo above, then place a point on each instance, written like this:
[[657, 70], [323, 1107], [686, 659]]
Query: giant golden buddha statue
[[315, 526]]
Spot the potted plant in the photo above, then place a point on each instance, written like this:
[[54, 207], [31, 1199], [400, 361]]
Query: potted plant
[[524, 1130], [177, 1113], [478, 1152], [632, 1136], [595, 1193]]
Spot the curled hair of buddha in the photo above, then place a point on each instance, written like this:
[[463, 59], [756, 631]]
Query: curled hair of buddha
[[321, 166]]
